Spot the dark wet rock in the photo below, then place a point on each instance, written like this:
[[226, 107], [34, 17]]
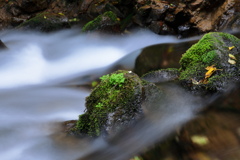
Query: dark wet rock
[[230, 100], [2, 45], [46, 22], [160, 27], [108, 19], [212, 64], [157, 12], [163, 75], [207, 15], [197, 16], [84, 5], [96, 8], [151, 98], [141, 16], [161, 56], [170, 18], [113, 104], [13, 8], [31, 6]]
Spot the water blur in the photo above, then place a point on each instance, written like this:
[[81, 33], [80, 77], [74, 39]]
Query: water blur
[[38, 73]]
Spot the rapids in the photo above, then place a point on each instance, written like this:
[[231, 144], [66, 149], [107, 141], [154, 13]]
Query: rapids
[[38, 74]]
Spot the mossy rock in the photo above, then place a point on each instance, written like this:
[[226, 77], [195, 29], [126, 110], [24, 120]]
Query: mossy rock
[[46, 22], [114, 103], [220, 52], [102, 21]]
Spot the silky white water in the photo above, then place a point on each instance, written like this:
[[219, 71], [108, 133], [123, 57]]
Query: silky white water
[[37, 72]]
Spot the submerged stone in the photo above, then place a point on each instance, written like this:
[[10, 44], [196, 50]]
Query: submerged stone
[[212, 63], [162, 75], [161, 56], [2, 45]]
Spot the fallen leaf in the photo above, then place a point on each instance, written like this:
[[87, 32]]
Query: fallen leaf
[[230, 48], [211, 69], [200, 140], [232, 56], [231, 61]]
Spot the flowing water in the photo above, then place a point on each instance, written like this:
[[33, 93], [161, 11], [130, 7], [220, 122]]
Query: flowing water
[[38, 74]]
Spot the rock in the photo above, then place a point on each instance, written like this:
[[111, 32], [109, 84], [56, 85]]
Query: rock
[[46, 22], [31, 6], [157, 12], [2, 45], [108, 19], [96, 8], [115, 103], [161, 56], [84, 5], [229, 101], [212, 64], [160, 27], [141, 16], [207, 15]]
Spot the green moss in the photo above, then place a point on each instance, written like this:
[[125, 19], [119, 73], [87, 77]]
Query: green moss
[[211, 50], [208, 51], [210, 57], [196, 72], [115, 91], [108, 18], [114, 79], [200, 50]]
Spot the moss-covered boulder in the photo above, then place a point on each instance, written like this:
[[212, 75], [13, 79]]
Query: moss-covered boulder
[[107, 20], [212, 63], [46, 22], [114, 103]]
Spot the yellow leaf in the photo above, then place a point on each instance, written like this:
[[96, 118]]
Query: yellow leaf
[[230, 48], [211, 69], [232, 56], [200, 140], [231, 61]]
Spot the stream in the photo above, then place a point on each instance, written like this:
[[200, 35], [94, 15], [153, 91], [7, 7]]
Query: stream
[[39, 73]]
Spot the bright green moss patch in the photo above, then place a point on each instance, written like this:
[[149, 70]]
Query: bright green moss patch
[[199, 51], [210, 57], [114, 79]]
